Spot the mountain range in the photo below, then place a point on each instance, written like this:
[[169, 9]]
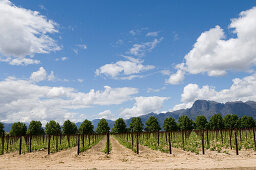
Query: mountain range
[[200, 107]]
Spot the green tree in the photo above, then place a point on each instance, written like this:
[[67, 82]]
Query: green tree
[[152, 124], [230, 121], [69, 128], [136, 125], [201, 122], [216, 122], [102, 126], [1, 128], [35, 128], [247, 122], [251, 122], [170, 124], [86, 127], [52, 128], [119, 126], [18, 129], [185, 123]]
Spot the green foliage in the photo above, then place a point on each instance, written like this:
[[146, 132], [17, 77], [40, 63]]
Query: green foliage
[[247, 122], [52, 128], [69, 128], [230, 121], [86, 127], [201, 122], [102, 127], [136, 125], [185, 123], [1, 128], [216, 122], [152, 124], [35, 128], [18, 129], [119, 126], [170, 124]]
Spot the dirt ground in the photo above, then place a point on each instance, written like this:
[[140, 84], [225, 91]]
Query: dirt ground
[[123, 158]]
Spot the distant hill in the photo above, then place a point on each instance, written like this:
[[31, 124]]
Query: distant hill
[[200, 107]]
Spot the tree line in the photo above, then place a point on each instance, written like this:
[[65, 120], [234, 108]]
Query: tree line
[[216, 122]]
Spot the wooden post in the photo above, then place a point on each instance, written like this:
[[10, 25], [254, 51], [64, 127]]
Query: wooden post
[[108, 142], [202, 141], [78, 144], [20, 145], [207, 138], [83, 140], [182, 135], [230, 138], [7, 142], [253, 130], [170, 145], [236, 142], [49, 144], [60, 138], [127, 136], [30, 143], [89, 138], [137, 142], [57, 143], [132, 140], [3, 143], [158, 138]]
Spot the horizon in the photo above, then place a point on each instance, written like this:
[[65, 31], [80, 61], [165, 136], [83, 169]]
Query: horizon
[[91, 60]]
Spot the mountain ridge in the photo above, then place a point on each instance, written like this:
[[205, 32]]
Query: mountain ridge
[[199, 107]]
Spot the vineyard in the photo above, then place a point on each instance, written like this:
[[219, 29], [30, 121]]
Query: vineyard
[[193, 141], [186, 141]]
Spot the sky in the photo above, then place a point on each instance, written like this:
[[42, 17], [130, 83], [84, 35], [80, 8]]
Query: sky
[[94, 59]]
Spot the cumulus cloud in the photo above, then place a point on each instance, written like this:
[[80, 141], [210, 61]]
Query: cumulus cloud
[[215, 55], [241, 90], [107, 114], [152, 34], [141, 49], [144, 105], [41, 75], [24, 33], [22, 100], [127, 68]]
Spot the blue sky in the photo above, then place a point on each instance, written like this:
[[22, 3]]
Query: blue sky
[[94, 59]]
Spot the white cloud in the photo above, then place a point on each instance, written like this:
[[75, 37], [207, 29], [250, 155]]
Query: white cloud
[[152, 34], [132, 32], [80, 80], [215, 55], [62, 59], [39, 75], [150, 90], [176, 78], [241, 90], [83, 46], [143, 106], [107, 114], [130, 68], [22, 100], [143, 48], [24, 33], [51, 76], [165, 72]]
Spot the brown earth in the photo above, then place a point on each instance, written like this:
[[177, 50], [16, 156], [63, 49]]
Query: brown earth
[[123, 158]]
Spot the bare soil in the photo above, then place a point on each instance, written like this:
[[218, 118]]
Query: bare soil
[[123, 158]]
